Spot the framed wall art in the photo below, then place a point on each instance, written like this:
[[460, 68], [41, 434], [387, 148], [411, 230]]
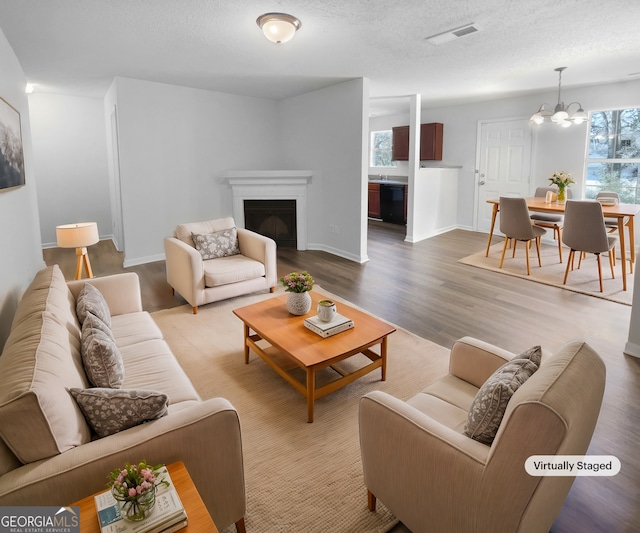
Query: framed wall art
[[11, 154]]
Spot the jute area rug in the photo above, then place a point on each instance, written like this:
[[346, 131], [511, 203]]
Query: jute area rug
[[583, 280], [299, 477]]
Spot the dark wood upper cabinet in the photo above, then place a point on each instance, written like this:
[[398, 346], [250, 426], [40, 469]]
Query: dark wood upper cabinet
[[400, 143], [430, 142]]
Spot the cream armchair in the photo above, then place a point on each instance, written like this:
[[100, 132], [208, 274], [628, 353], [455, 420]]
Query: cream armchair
[[432, 477], [202, 281]]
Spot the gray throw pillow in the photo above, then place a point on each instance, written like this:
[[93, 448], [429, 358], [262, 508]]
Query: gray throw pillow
[[109, 411], [101, 357], [219, 244], [490, 403], [91, 301]]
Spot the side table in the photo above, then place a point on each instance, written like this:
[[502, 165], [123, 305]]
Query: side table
[[198, 517]]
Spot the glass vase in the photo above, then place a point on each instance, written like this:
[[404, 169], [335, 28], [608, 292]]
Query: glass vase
[[298, 303], [136, 508], [561, 194]]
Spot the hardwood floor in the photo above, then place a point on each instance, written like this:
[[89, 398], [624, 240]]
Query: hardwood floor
[[422, 288]]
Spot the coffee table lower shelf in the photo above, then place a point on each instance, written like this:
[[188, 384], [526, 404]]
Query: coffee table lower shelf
[[278, 360]]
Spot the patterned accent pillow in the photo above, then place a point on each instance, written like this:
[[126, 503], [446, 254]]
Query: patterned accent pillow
[[219, 244], [100, 356], [109, 411], [490, 403], [91, 301]]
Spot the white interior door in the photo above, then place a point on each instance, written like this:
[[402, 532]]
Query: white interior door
[[503, 165]]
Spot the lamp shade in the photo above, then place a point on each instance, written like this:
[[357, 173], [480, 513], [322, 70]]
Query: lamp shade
[[77, 235]]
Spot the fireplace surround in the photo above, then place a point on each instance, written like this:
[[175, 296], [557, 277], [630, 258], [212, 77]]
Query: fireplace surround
[[271, 185]]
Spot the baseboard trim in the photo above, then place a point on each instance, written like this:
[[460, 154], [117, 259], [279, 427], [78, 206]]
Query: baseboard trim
[[143, 260], [632, 349]]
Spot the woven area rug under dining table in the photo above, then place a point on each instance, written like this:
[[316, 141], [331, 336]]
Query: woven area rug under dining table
[[299, 477], [583, 280]]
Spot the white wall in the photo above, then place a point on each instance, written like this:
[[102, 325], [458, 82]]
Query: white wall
[[21, 254], [69, 143], [175, 142], [326, 131]]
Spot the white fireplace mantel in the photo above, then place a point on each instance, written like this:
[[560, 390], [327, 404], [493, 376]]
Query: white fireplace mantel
[[271, 185]]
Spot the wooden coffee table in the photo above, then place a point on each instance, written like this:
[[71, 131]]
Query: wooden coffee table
[[290, 344]]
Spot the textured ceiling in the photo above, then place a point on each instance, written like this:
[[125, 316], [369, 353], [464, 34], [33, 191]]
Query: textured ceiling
[[79, 46]]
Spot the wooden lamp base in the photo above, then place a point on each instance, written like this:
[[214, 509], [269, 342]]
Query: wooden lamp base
[[83, 260]]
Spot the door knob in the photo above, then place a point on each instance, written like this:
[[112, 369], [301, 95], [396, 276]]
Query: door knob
[[481, 182]]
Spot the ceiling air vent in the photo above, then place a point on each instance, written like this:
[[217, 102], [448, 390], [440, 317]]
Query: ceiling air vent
[[453, 34]]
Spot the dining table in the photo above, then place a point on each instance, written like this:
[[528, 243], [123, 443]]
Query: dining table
[[623, 213]]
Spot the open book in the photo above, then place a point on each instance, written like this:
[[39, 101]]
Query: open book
[[168, 513]]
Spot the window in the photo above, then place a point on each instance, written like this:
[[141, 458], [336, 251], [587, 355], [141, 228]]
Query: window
[[381, 142], [613, 160]]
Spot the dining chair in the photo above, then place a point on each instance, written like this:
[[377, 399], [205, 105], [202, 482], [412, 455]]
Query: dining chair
[[585, 231], [610, 223], [550, 220], [516, 225]]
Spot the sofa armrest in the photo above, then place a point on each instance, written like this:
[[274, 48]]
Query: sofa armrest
[[121, 291], [204, 435], [260, 248], [474, 361], [404, 455], [185, 269]]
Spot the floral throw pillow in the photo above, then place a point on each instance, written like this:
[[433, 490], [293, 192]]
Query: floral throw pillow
[[219, 244], [91, 301], [101, 357], [109, 411], [490, 403]]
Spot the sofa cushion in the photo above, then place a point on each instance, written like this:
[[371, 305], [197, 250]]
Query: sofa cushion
[[90, 300], [109, 411], [100, 355], [165, 373], [38, 418], [490, 403], [134, 328], [214, 245], [184, 231], [231, 269]]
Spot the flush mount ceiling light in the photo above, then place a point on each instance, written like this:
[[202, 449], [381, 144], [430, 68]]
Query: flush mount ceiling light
[[278, 27], [561, 114]]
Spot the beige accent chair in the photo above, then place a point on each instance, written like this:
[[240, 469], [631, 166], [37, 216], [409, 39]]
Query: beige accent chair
[[585, 231], [419, 463], [515, 223], [204, 281]]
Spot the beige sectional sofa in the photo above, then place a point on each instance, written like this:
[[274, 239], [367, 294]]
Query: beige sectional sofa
[[49, 454]]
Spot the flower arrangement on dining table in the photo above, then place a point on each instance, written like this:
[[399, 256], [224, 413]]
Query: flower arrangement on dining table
[[297, 282], [562, 180], [134, 487]]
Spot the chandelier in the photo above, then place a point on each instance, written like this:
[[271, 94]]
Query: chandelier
[[560, 114]]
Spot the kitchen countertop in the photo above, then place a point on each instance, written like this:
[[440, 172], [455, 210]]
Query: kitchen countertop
[[389, 182]]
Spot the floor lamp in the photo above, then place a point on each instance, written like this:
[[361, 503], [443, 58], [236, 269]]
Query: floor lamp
[[79, 236]]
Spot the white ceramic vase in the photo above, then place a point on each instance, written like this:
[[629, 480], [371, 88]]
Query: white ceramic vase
[[299, 303]]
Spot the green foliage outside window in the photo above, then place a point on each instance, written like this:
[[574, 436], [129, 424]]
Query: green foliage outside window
[[614, 154], [381, 143]]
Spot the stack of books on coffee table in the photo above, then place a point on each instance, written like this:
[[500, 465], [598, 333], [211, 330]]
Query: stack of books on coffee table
[[338, 324], [168, 513]]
